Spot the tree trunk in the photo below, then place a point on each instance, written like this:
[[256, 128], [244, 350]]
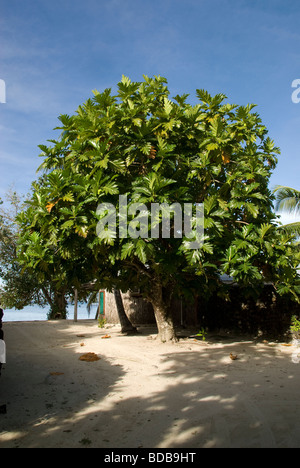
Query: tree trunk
[[59, 306], [163, 317], [126, 325], [47, 296]]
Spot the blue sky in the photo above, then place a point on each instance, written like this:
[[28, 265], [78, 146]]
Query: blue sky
[[54, 53]]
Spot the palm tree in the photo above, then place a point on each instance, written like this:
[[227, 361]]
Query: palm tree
[[288, 200]]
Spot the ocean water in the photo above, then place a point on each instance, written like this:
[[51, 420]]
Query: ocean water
[[36, 313]]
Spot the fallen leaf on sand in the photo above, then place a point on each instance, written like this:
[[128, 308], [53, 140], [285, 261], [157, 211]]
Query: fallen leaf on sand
[[89, 357], [56, 373], [82, 344], [80, 336], [105, 337], [233, 357], [286, 344]]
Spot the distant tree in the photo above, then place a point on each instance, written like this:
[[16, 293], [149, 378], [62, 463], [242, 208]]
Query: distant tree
[[18, 289], [22, 287], [153, 149]]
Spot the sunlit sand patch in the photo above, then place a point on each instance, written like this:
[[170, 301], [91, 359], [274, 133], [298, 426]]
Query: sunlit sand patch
[[10, 436]]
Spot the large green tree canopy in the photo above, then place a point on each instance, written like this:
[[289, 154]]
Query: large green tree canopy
[[151, 148]]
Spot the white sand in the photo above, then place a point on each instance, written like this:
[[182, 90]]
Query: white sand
[[142, 393]]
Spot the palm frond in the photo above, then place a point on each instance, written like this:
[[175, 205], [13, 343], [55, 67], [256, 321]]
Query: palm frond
[[93, 298], [287, 199], [291, 228]]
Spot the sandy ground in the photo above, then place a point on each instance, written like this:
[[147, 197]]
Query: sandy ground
[[142, 393]]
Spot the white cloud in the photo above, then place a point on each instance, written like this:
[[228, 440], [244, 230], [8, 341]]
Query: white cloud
[[286, 218]]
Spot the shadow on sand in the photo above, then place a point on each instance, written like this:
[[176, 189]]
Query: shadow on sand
[[197, 397]]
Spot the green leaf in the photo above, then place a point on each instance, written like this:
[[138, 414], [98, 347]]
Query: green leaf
[[181, 99], [140, 251], [137, 122], [125, 80], [127, 250], [212, 146], [68, 224], [69, 197], [168, 106], [216, 127], [146, 148], [252, 209], [264, 229], [203, 96]]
